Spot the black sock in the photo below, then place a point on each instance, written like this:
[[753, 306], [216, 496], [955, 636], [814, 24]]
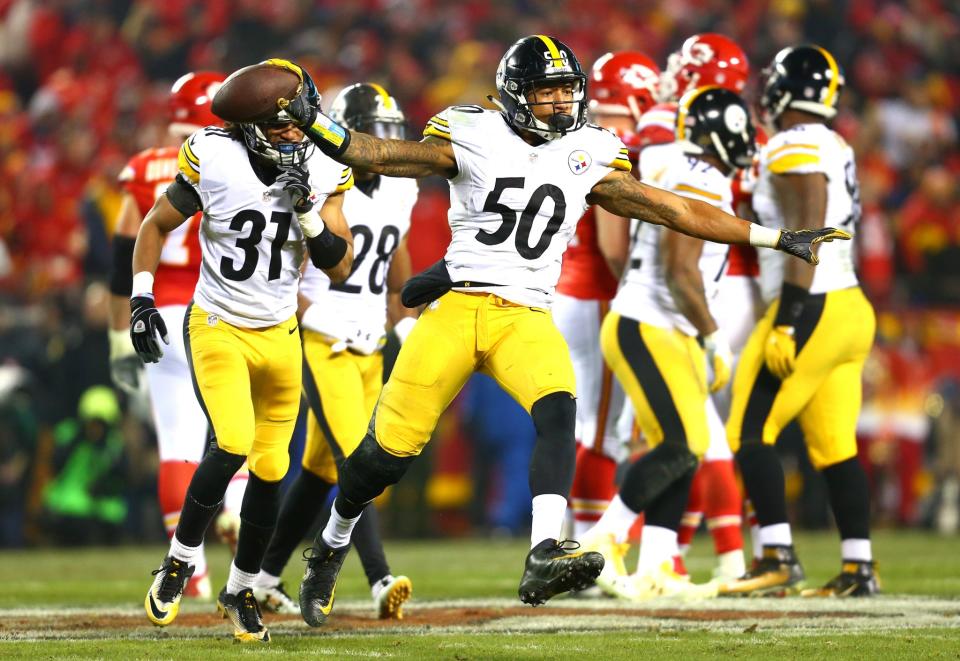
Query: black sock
[[366, 539], [850, 498], [346, 508], [205, 494], [554, 457], [666, 510], [301, 505], [258, 517], [763, 480]]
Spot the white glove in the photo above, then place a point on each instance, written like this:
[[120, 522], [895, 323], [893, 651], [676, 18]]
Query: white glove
[[126, 368], [403, 328], [317, 320], [719, 358]]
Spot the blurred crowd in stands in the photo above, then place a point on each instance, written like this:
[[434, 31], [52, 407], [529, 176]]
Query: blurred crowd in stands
[[83, 86]]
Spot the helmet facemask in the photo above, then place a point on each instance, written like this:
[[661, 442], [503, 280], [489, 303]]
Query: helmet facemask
[[282, 154]]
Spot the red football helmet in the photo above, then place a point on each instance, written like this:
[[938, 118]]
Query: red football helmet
[[704, 59], [623, 83], [658, 125], [190, 99]]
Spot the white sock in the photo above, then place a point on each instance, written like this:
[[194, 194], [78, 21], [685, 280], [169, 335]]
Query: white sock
[[267, 580], [184, 553], [548, 512], [683, 548], [240, 580], [337, 532], [856, 549], [657, 545], [616, 520], [580, 528], [755, 546], [776, 535], [200, 563]]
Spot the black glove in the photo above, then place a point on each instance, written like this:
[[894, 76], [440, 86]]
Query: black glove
[[800, 243], [304, 108], [296, 180], [145, 325]]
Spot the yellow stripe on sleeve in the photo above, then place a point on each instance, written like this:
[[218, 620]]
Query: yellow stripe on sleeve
[[790, 162], [437, 119], [434, 130], [621, 163], [346, 184], [187, 168], [795, 145], [188, 152], [693, 190]]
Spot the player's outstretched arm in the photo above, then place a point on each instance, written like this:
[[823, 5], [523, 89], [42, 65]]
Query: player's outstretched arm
[[622, 194], [400, 158]]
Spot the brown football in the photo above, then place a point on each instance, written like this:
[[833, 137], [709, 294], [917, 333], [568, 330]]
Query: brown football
[[250, 94]]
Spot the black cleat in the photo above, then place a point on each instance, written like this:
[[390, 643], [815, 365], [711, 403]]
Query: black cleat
[[857, 578], [243, 611], [163, 598], [552, 569], [320, 581], [777, 574]]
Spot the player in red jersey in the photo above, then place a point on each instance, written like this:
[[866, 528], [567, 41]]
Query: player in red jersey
[[181, 425], [704, 60], [622, 87]]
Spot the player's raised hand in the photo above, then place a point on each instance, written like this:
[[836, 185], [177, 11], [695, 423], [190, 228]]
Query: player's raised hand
[[303, 109], [800, 243], [295, 180], [146, 325]]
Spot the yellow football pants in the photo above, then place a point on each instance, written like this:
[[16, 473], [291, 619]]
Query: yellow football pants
[[342, 390], [457, 335], [833, 338], [248, 384], [663, 373]]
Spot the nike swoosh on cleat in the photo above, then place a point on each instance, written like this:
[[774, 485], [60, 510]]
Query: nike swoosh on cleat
[[154, 610]]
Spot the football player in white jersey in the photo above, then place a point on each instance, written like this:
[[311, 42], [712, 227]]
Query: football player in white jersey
[[650, 342], [343, 334], [622, 86], [805, 358], [264, 192], [520, 177], [708, 59]]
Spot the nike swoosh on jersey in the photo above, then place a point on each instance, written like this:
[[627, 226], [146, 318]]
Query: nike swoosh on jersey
[[292, 330]]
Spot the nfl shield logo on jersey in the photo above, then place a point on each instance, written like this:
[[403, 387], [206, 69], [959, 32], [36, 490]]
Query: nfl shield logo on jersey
[[579, 161]]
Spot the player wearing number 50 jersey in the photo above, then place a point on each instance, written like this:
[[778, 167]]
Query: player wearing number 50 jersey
[[520, 179], [343, 333], [260, 187], [805, 358], [180, 424]]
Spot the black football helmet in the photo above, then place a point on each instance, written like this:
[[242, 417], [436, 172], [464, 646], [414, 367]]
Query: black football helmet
[[536, 61], [805, 78], [367, 108], [284, 154], [716, 121]]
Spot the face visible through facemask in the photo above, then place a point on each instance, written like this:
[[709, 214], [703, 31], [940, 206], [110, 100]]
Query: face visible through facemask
[[553, 104]]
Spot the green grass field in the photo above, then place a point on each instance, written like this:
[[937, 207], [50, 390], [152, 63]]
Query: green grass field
[[87, 604]]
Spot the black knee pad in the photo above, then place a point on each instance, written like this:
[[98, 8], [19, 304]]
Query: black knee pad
[[369, 470], [214, 473], [554, 456], [655, 472], [261, 502]]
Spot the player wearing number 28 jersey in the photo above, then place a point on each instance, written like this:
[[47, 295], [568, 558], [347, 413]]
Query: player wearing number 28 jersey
[[520, 179]]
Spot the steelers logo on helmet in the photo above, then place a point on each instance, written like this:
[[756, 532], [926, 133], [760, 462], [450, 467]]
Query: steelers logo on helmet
[[805, 78], [368, 108], [715, 121], [533, 63]]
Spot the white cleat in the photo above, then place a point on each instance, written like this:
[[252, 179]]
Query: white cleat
[[275, 599], [390, 593], [613, 554], [661, 582]]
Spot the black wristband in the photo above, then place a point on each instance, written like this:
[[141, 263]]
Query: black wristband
[[326, 249], [121, 271], [792, 300]]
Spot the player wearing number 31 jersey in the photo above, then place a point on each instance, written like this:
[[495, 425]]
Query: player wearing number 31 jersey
[[520, 179], [267, 197]]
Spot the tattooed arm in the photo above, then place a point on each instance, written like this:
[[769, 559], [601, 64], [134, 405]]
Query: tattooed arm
[[621, 194]]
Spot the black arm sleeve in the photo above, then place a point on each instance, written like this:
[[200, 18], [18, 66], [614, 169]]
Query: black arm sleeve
[[326, 249], [184, 197], [121, 271]]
